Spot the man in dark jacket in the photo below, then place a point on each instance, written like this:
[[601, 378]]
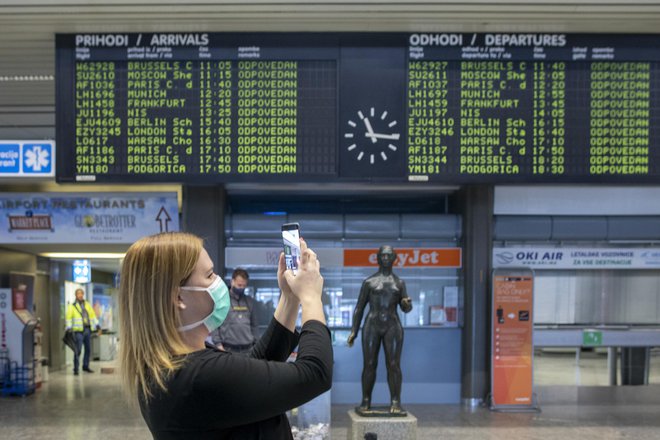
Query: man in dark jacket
[[240, 330]]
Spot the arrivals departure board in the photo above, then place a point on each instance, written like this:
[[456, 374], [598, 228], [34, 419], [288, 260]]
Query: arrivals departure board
[[383, 107]]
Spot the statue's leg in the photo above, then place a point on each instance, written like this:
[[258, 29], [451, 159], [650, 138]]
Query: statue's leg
[[370, 347], [393, 341]]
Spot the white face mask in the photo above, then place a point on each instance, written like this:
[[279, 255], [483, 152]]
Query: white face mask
[[221, 303]]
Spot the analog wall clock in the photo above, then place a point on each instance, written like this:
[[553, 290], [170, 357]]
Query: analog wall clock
[[372, 136]]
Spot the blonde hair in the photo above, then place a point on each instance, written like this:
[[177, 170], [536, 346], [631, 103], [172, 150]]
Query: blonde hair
[[152, 271]]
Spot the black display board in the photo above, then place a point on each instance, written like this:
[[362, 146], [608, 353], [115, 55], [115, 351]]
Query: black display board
[[443, 108]]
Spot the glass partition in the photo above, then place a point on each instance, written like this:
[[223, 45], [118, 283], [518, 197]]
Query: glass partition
[[437, 294], [597, 297]]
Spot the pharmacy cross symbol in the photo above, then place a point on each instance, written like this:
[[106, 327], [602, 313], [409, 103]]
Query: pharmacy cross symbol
[[37, 158]]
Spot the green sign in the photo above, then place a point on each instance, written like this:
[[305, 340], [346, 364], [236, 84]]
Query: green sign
[[591, 338]]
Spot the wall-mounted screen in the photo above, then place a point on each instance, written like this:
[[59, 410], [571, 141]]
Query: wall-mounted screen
[[443, 108]]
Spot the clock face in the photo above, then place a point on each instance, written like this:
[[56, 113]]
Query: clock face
[[372, 137]]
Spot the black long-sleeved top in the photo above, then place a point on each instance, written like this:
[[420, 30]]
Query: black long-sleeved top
[[219, 395]]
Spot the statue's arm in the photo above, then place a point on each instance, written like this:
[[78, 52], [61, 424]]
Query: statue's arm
[[359, 311], [406, 302], [359, 307]]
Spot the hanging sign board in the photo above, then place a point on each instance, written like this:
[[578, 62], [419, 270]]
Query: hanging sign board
[[399, 107], [251, 257], [512, 347], [444, 258], [27, 159], [85, 217], [82, 271], [577, 258], [447, 258]]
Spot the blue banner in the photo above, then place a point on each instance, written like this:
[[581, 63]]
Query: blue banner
[[27, 159]]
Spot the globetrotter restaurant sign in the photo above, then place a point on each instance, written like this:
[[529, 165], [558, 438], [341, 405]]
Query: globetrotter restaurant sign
[[85, 217], [577, 258]]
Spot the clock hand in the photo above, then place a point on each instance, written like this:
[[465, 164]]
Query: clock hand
[[373, 136], [370, 131]]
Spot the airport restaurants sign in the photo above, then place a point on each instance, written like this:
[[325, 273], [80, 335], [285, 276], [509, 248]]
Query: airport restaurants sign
[[35, 218]]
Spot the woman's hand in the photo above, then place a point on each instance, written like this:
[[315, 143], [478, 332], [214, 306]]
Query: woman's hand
[[307, 284], [286, 312], [281, 280]]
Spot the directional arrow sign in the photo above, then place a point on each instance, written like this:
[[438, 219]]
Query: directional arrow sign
[[163, 216]]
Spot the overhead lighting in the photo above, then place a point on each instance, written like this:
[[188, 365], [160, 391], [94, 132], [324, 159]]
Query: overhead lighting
[[5, 78], [83, 255]]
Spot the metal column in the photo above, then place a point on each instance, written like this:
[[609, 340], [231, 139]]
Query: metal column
[[203, 214], [477, 211]]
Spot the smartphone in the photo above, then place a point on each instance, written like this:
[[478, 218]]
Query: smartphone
[[291, 239]]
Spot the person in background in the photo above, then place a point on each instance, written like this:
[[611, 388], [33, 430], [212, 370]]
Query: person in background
[[80, 318], [170, 299], [240, 330]]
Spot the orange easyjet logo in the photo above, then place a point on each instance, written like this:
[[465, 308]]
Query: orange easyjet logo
[[406, 257]]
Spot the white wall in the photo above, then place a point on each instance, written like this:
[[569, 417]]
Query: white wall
[[577, 200]]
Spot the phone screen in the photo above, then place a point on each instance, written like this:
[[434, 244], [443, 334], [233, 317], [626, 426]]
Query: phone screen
[[291, 239]]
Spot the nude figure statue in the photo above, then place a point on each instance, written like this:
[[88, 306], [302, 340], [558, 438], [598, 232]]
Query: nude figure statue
[[383, 291]]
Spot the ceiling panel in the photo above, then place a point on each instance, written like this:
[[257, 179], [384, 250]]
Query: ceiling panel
[[27, 29]]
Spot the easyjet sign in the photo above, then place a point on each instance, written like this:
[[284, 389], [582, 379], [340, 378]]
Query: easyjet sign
[[406, 257]]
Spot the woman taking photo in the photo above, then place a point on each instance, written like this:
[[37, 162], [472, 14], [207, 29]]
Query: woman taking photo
[[169, 300]]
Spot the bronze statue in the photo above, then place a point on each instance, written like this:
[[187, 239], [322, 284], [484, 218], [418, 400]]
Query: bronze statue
[[383, 291]]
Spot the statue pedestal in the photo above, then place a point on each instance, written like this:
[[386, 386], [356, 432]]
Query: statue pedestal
[[386, 428]]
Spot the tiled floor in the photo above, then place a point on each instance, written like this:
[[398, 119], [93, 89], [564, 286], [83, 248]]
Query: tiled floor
[[91, 406], [587, 367]]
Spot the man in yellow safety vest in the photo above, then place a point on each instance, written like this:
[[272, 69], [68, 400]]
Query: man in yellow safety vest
[[80, 318]]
